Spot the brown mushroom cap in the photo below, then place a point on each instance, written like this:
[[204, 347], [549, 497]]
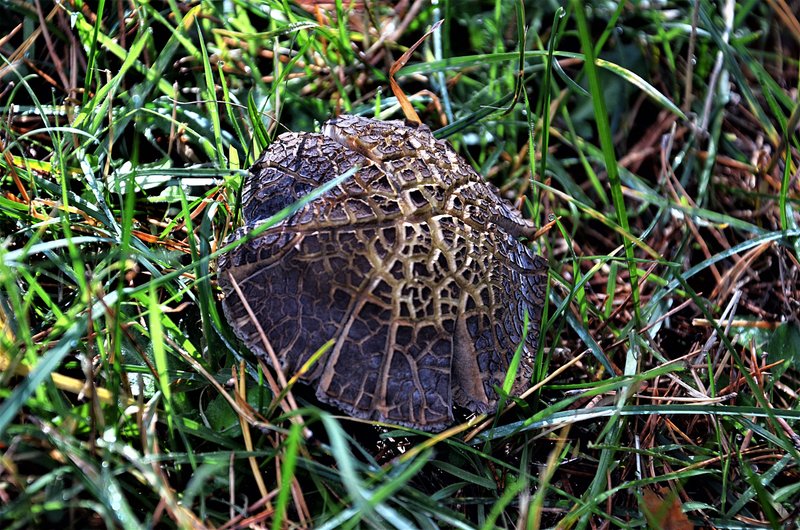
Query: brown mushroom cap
[[413, 265]]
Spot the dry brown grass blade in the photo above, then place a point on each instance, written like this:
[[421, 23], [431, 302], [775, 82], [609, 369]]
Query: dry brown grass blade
[[179, 246], [169, 502], [241, 394], [243, 410], [679, 195], [728, 281], [281, 386], [594, 214], [546, 228], [408, 109], [26, 198], [52, 52], [687, 89], [737, 323], [648, 145], [546, 476], [787, 15], [20, 53], [6, 38], [791, 126]]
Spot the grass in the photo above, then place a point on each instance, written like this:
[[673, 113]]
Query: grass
[[664, 168]]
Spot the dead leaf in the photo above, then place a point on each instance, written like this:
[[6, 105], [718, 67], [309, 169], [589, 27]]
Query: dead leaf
[[664, 512]]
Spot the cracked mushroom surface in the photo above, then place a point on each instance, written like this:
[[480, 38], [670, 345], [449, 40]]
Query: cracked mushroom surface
[[413, 265]]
